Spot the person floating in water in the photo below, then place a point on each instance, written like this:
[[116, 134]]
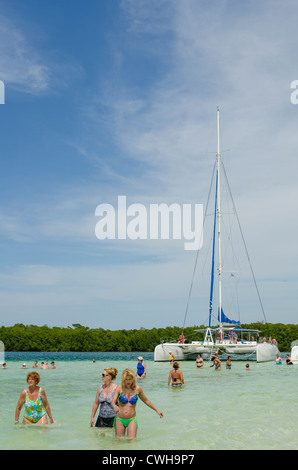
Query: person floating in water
[[127, 395]]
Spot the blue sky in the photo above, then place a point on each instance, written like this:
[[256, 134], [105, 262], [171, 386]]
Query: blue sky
[[108, 97]]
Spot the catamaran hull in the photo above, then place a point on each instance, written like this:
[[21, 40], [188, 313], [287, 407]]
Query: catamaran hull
[[266, 352], [181, 352], [294, 354]]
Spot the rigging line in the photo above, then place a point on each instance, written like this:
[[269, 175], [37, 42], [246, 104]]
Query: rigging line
[[246, 250], [197, 255]]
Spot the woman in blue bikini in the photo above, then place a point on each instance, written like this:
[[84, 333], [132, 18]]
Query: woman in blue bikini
[[127, 395]]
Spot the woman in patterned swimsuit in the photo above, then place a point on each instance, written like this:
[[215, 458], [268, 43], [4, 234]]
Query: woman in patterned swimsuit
[[104, 397], [36, 404], [127, 395]]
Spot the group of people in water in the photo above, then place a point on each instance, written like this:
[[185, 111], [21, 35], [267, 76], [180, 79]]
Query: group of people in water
[[116, 403], [216, 363], [278, 360]]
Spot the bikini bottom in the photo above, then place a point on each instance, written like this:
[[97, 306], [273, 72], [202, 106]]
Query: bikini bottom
[[126, 422]]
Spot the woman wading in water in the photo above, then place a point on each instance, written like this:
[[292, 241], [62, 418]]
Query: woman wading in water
[[176, 376], [36, 404], [103, 399], [127, 395]]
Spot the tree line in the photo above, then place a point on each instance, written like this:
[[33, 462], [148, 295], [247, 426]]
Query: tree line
[[78, 338]]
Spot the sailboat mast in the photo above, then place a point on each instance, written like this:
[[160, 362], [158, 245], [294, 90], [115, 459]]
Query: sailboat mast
[[218, 159]]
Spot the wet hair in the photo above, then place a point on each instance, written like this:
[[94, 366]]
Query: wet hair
[[176, 365], [112, 372], [35, 376], [128, 373]]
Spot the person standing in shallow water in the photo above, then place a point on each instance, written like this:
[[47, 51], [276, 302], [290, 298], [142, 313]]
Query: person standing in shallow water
[[36, 404], [141, 368], [127, 395], [103, 399], [199, 362], [228, 363], [171, 357], [176, 376]]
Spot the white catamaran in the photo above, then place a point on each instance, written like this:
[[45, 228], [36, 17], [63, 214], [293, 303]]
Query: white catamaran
[[228, 338], [294, 352]]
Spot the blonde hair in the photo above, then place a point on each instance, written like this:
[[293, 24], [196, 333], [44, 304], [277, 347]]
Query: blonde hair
[[35, 376], [128, 373], [112, 372]]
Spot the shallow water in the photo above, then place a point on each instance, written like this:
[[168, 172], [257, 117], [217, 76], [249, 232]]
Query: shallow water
[[227, 409]]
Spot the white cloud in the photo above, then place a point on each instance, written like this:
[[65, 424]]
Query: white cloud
[[239, 56], [20, 64], [27, 68]]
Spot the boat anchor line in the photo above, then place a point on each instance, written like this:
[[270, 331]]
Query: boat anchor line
[[215, 340]]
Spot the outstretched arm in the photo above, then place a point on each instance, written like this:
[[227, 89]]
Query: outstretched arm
[[149, 403]]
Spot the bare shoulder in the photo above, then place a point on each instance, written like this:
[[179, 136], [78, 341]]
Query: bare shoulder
[[139, 390]]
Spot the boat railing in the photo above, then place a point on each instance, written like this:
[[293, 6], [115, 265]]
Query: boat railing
[[240, 341]]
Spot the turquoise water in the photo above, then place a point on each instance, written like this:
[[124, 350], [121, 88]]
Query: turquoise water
[[227, 409]]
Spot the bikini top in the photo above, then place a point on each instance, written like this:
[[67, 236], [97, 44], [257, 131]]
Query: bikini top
[[123, 399]]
